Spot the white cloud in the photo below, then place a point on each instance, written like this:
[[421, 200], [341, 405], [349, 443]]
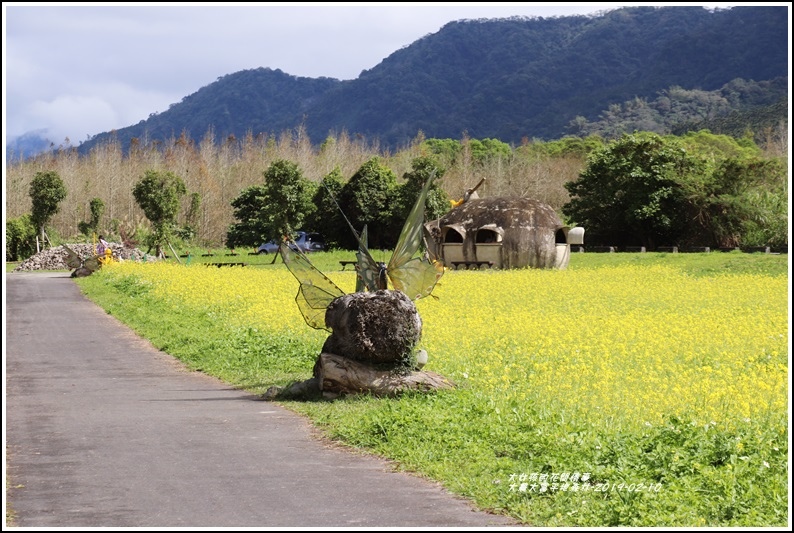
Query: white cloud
[[69, 112], [96, 109]]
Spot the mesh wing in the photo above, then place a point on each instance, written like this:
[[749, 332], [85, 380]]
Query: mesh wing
[[369, 271], [411, 234], [72, 259], [414, 276], [316, 291], [417, 278]]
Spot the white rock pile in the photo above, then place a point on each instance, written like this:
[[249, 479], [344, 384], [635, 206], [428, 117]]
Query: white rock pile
[[55, 258]]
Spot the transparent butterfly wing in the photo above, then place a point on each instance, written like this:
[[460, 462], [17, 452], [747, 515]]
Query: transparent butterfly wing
[[72, 259], [368, 269], [414, 276], [312, 302], [92, 263], [417, 278], [411, 234], [316, 291]]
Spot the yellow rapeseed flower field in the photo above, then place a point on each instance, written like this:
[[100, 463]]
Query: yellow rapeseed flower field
[[617, 346], [625, 345]]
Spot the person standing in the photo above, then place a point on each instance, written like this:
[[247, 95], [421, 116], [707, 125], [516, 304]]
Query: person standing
[[101, 246]]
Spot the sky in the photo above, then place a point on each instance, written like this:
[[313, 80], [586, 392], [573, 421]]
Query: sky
[[76, 70]]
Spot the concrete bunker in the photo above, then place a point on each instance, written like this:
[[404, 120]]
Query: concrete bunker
[[502, 232]]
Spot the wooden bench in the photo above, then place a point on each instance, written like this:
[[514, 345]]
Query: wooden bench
[[226, 264], [468, 264], [753, 249], [345, 263]]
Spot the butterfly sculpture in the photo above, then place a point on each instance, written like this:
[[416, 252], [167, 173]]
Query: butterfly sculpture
[[83, 267], [316, 291], [414, 276]]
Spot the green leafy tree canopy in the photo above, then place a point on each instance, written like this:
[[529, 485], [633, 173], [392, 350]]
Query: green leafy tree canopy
[[369, 199], [702, 190], [158, 194], [289, 198], [250, 228], [630, 192], [97, 207], [277, 208], [327, 218], [437, 203], [20, 235], [47, 191]]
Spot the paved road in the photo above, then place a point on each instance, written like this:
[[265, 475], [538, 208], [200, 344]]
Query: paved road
[[103, 430]]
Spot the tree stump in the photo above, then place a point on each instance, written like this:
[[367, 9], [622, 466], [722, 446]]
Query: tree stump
[[81, 272], [371, 350], [339, 375], [381, 328]]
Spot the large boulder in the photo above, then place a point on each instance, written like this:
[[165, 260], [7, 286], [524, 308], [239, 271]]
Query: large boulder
[[380, 328]]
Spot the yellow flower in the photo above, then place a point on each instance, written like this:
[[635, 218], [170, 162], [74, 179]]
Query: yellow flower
[[612, 346]]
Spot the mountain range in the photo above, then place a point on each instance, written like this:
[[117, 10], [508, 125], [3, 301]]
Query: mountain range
[[508, 79]]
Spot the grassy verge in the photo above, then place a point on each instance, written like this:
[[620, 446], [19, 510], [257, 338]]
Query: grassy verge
[[630, 390]]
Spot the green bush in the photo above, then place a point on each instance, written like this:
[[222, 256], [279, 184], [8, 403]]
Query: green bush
[[20, 238]]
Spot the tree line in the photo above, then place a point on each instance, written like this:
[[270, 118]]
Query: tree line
[[642, 188], [645, 189]]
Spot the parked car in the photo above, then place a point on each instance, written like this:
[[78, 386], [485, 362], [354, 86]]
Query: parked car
[[307, 242], [269, 247]]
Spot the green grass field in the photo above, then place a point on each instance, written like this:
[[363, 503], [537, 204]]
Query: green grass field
[[628, 390]]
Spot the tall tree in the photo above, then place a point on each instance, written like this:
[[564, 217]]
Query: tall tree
[[735, 204], [97, 208], [272, 210], [289, 198], [369, 199], [328, 217], [47, 191], [250, 228], [437, 203], [20, 238], [158, 194]]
